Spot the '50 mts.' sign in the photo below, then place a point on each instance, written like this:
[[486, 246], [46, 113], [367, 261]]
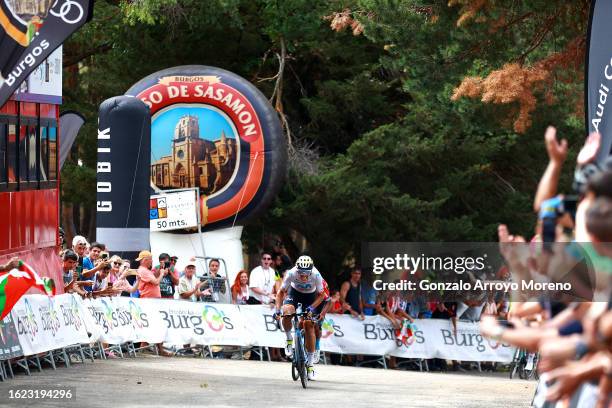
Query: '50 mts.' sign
[[172, 211]]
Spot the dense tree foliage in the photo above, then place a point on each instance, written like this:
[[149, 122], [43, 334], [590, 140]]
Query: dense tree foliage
[[379, 100]]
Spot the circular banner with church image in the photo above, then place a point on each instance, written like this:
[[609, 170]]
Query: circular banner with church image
[[213, 130]]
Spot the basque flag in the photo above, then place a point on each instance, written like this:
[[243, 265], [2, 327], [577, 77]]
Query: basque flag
[[16, 282]]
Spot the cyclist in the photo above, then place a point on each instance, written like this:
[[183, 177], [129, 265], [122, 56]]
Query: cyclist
[[302, 284]]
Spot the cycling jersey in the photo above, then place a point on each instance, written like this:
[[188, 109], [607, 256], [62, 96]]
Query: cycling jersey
[[314, 282]]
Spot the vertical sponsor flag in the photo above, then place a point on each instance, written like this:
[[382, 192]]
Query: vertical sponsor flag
[[598, 78], [17, 282], [71, 125], [30, 30]]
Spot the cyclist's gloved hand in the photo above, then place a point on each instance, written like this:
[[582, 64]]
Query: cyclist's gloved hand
[[276, 315]]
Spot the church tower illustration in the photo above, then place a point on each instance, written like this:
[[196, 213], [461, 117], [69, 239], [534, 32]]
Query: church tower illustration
[[195, 162]]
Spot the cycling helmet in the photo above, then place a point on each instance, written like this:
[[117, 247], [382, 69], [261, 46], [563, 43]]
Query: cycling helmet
[[304, 264]]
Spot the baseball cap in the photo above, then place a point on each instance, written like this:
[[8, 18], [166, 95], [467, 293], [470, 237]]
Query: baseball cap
[[144, 254]]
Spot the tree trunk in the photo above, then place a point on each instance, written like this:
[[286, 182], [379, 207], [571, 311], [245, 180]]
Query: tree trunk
[[68, 223]]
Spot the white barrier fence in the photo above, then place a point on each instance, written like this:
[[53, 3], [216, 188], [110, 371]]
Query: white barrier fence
[[44, 324]]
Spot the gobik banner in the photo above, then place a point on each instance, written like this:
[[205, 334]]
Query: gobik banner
[[30, 31], [598, 78], [45, 323], [124, 148]]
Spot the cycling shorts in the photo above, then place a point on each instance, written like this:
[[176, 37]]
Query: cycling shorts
[[294, 297]]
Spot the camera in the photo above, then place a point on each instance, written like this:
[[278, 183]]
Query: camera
[[104, 255], [551, 210]]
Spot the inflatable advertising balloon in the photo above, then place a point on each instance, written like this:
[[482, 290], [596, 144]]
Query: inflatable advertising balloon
[[122, 198], [213, 130], [209, 129]]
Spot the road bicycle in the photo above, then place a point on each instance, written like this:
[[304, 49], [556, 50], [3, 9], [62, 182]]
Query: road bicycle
[[298, 363]]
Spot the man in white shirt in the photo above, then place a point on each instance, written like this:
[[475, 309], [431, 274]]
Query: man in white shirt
[[262, 280], [189, 284]]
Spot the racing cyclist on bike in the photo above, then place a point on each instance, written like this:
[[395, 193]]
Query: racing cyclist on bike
[[302, 284]]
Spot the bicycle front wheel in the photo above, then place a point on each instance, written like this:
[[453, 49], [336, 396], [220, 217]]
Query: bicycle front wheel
[[295, 374], [301, 359]]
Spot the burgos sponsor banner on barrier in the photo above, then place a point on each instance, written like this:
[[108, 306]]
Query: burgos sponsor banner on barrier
[[262, 327], [202, 323], [436, 338], [427, 339], [46, 323], [373, 336], [119, 319], [113, 322]]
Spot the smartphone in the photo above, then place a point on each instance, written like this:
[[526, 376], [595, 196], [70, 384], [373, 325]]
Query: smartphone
[[104, 255]]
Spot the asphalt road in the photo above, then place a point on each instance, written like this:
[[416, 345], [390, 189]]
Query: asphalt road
[[153, 381]]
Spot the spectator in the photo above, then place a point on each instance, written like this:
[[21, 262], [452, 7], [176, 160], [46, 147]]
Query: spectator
[[395, 308], [240, 289], [369, 296], [417, 306], [69, 263], [93, 263], [169, 277], [214, 283], [173, 261], [121, 283], [189, 285], [79, 246], [100, 280], [115, 263], [62, 237], [148, 285], [350, 295], [573, 339], [336, 303], [262, 281], [282, 263]]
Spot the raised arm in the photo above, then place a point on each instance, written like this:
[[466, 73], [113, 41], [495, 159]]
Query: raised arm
[[557, 153]]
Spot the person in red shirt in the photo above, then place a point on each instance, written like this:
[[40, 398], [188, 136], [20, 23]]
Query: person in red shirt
[[148, 283], [148, 286]]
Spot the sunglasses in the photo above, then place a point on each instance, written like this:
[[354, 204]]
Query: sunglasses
[[117, 263]]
